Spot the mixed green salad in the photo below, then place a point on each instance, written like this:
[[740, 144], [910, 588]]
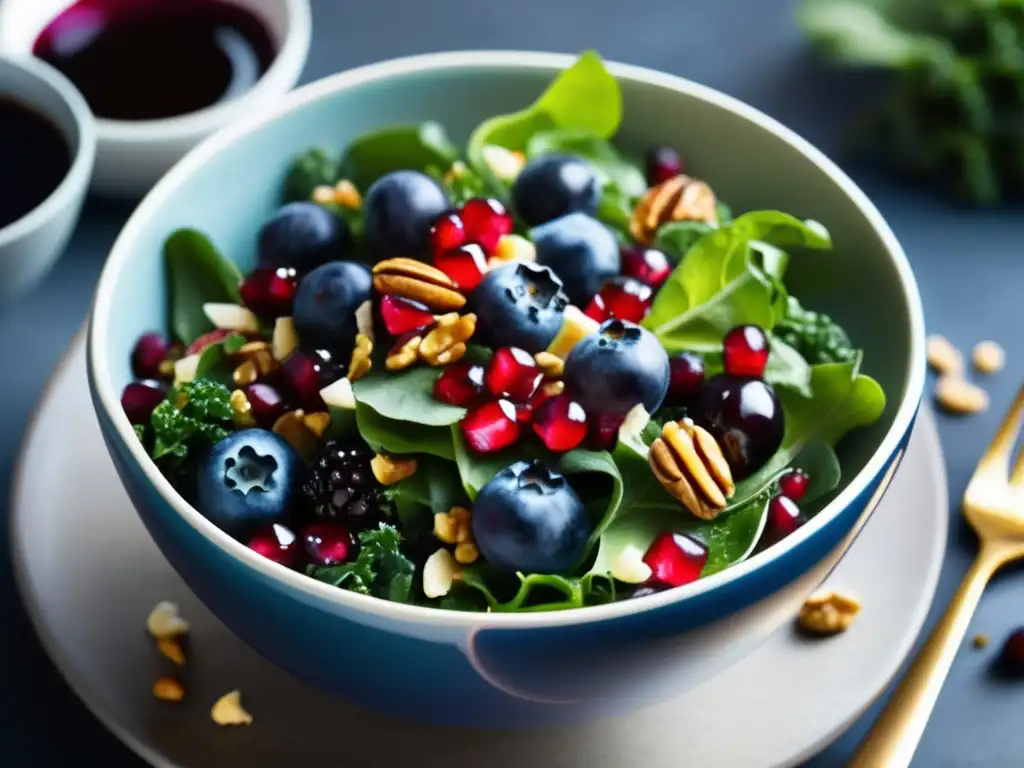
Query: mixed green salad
[[532, 374]]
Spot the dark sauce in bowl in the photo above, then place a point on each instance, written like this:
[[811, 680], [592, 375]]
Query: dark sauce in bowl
[[152, 59], [34, 159]]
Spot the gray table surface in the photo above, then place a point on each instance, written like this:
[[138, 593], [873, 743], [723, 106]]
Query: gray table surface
[[968, 264]]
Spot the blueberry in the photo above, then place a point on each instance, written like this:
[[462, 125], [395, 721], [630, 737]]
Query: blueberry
[[554, 185], [581, 251], [303, 236], [326, 304], [618, 367], [399, 209], [249, 479], [528, 518], [519, 305], [746, 418]]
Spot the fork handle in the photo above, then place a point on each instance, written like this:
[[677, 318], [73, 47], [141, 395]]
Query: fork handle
[[897, 731]]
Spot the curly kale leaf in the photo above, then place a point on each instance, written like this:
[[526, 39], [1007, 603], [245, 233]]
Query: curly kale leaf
[[193, 415], [817, 337], [380, 568]]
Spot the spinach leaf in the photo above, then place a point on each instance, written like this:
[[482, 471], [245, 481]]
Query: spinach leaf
[[719, 284], [584, 96], [435, 486], [394, 436], [611, 167], [406, 396], [590, 589], [379, 569], [197, 274], [475, 471], [404, 147], [314, 168]]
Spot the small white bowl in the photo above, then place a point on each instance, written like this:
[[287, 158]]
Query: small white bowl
[[132, 156], [30, 246]]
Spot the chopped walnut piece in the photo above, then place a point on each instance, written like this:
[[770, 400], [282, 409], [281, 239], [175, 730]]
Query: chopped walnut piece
[[828, 613], [390, 469], [171, 649], [165, 621], [227, 710], [168, 689]]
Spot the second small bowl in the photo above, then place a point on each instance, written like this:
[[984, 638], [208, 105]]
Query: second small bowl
[[132, 156]]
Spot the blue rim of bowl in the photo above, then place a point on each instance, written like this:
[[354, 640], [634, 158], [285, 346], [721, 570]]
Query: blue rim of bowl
[[77, 177], [529, 60]]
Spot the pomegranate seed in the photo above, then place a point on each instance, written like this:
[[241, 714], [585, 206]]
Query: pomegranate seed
[[303, 380], [269, 292], [560, 423], [784, 517], [745, 350], [460, 384], [266, 403], [276, 542], [648, 265], [512, 373], [686, 376], [401, 316], [1011, 656], [206, 340], [663, 163], [465, 265], [150, 350], [676, 559], [596, 309], [328, 543], [140, 398], [626, 299], [490, 427], [793, 485], [604, 432], [448, 232], [486, 221]]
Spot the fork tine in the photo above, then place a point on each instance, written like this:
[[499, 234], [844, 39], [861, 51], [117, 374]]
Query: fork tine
[[1001, 448]]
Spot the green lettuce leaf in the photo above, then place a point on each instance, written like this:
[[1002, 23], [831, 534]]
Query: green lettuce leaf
[[404, 147]]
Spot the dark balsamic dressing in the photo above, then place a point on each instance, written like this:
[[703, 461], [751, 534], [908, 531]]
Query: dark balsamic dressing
[[34, 159], [151, 59]]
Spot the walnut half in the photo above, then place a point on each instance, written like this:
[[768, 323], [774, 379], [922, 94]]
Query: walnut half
[[828, 613]]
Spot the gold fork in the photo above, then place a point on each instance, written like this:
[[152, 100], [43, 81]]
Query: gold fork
[[994, 506]]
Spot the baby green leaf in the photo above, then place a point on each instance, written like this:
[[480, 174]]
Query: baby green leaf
[[677, 238], [393, 436], [212, 359], [197, 274], [406, 396], [313, 168], [476, 471], [584, 96], [787, 368], [611, 167], [404, 147], [435, 485]]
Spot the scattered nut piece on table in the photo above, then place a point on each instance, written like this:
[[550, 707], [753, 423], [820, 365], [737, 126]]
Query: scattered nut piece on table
[[171, 649], [828, 613], [943, 356], [988, 357], [165, 621], [168, 689], [228, 710], [957, 395], [980, 641]]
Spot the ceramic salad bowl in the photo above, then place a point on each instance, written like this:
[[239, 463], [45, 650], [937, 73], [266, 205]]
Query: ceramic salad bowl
[[413, 656]]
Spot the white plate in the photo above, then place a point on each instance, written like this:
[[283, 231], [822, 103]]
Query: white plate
[[89, 574]]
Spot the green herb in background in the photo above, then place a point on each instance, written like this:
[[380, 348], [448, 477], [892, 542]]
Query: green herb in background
[[955, 114]]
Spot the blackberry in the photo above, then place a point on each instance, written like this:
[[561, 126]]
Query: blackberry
[[340, 486]]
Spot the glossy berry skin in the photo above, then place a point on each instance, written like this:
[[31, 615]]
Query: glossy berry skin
[[675, 559], [604, 431], [328, 543], [528, 518], [148, 353], [303, 236], [1010, 661], [662, 163], [301, 377], [400, 209], [490, 427], [793, 485], [686, 377], [270, 292], [784, 517], [276, 542], [518, 305], [618, 367], [560, 423], [745, 351], [447, 232], [623, 297], [579, 249], [460, 384], [248, 480], [512, 373], [326, 303], [745, 417], [486, 221], [465, 265], [554, 185], [401, 316], [265, 403], [648, 265], [140, 398]]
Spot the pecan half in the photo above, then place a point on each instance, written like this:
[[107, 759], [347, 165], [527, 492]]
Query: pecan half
[[688, 461], [416, 281], [679, 199]]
